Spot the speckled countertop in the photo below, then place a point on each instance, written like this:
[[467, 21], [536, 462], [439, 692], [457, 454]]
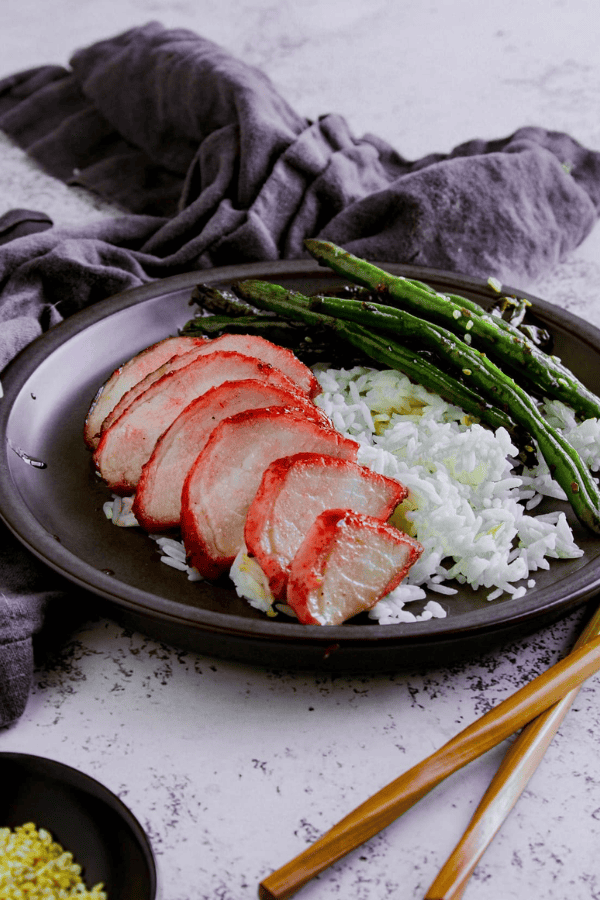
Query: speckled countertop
[[233, 770]]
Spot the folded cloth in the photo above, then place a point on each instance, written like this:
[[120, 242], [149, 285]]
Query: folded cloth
[[211, 166], [26, 589]]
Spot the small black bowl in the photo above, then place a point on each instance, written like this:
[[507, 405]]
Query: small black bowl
[[85, 818]]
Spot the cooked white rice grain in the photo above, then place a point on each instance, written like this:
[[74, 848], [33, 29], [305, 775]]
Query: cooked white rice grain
[[172, 548], [118, 511], [466, 505], [174, 555], [251, 583], [441, 588], [174, 563], [436, 609], [390, 610]]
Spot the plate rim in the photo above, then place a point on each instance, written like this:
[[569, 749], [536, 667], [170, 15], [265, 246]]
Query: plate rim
[[16, 373], [81, 780]]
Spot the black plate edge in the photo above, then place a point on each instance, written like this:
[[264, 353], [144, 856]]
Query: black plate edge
[[420, 633], [79, 779]]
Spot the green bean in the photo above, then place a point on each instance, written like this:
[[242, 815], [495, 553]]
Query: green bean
[[419, 369], [384, 350], [311, 344], [251, 324], [220, 301], [481, 374], [491, 334]]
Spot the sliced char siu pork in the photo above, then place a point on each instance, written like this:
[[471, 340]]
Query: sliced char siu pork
[[246, 344], [294, 491], [157, 503], [345, 565], [130, 440], [223, 480], [129, 374]]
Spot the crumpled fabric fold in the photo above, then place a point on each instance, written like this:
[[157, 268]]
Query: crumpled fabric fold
[[210, 166]]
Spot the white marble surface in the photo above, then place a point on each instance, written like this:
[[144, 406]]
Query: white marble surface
[[233, 770]]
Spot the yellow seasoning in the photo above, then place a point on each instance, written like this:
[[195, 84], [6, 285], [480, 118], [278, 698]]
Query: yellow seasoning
[[33, 866]]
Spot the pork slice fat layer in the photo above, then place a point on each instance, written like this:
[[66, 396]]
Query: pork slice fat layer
[[157, 503], [129, 374], [225, 477], [345, 565], [247, 344], [294, 491], [130, 441]]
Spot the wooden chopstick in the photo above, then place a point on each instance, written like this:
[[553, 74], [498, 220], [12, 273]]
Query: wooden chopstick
[[395, 798], [515, 770]]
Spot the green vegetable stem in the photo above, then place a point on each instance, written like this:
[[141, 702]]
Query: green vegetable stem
[[380, 348], [472, 367], [499, 339]]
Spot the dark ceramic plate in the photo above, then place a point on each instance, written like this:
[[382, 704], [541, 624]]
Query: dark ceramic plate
[[55, 508], [85, 818]]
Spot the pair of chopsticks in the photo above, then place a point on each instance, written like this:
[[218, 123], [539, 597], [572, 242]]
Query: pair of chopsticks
[[538, 708]]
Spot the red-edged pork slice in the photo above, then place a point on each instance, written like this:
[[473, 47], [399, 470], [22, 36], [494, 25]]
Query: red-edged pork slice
[[157, 503], [130, 441], [280, 357], [225, 477], [294, 491], [345, 565], [248, 345], [171, 365], [129, 374]]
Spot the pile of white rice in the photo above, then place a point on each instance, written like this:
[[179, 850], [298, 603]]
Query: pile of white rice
[[467, 506]]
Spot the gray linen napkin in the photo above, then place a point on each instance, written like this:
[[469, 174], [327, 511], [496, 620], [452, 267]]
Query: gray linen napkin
[[211, 166], [26, 589]]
